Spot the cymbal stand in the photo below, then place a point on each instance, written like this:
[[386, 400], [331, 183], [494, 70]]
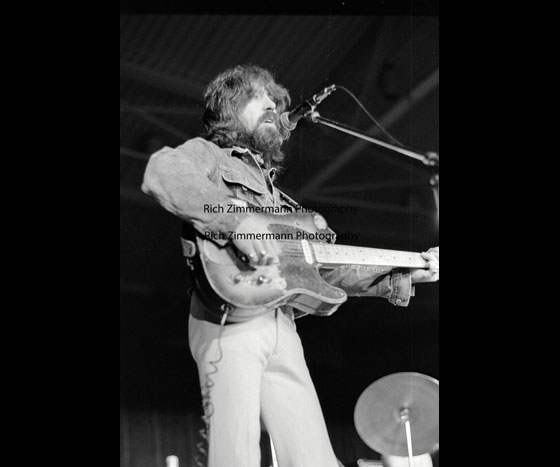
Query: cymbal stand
[[404, 416], [274, 459]]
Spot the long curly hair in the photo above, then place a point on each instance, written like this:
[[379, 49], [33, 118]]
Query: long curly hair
[[225, 97]]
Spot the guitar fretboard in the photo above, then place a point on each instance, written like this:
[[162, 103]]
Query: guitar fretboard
[[333, 254]]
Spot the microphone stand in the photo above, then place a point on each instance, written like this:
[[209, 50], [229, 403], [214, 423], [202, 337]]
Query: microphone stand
[[430, 159]]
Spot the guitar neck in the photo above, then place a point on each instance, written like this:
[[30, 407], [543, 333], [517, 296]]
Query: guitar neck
[[335, 255]]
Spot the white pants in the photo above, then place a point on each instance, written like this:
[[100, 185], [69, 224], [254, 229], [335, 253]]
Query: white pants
[[261, 373]]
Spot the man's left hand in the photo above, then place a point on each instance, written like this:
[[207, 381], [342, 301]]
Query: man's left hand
[[431, 274]]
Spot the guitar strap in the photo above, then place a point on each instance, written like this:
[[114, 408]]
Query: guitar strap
[[298, 207], [291, 202]]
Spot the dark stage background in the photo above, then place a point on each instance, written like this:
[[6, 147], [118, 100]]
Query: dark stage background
[[390, 63]]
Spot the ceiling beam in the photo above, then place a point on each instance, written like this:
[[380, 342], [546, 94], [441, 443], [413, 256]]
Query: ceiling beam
[[141, 156], [136, 196], [180, 86], [400, 109], [156, 121], [376, 59], [164, 109], [371, 186], [385, 207]]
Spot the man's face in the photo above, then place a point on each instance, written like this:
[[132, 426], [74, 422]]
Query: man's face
[[261, 122], [259, 113]]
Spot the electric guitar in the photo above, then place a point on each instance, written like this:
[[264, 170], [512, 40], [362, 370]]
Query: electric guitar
[[295, 280]]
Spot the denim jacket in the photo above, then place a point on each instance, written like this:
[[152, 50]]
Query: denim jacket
[[197, 173]]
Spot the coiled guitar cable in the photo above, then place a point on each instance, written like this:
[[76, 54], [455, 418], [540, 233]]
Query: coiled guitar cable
[[201, 457]]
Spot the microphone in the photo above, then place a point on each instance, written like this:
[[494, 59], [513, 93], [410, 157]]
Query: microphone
[[288, 120]]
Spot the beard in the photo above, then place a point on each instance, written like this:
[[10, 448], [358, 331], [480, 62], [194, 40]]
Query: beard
[[267, 139]]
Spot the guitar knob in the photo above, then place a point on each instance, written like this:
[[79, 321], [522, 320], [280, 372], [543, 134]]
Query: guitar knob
[[319, 221], [262, 280], [237, 278]]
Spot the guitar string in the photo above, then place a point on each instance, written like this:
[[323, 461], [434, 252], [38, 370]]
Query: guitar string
[[295, 246], [292, 251]]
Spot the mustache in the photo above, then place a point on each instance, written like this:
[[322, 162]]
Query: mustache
[[270, 116], [275, 118]]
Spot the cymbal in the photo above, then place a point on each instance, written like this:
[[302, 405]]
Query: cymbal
[[379, 412]]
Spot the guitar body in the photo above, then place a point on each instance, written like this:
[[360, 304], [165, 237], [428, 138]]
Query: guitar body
[[294, 281]]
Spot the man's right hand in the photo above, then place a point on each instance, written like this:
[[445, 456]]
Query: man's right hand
[[258, 252]]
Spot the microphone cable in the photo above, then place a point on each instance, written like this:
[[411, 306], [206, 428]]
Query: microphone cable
[[376, 123]]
